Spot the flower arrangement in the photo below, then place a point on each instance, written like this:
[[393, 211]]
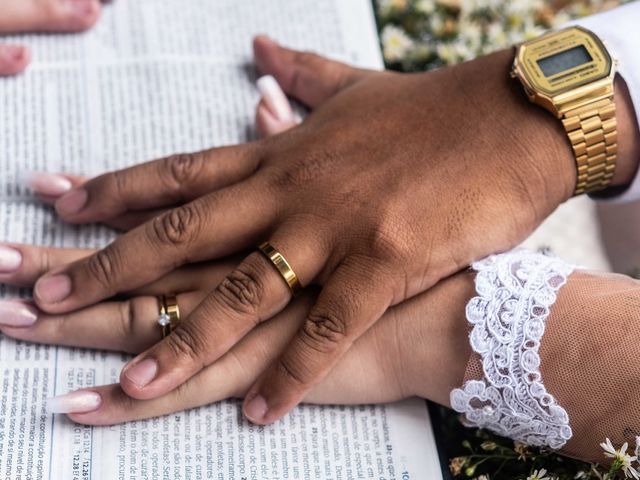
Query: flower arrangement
[[481, 455], [418, 35]]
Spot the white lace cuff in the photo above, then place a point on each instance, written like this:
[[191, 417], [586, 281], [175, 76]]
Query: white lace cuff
[[515, 292]]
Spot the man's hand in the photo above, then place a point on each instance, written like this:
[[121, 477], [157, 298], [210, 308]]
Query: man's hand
[[393, 183], [21, 16]]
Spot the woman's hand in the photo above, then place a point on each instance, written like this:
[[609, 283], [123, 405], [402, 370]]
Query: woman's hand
[[418, 348], [21, 16], [391, 184]]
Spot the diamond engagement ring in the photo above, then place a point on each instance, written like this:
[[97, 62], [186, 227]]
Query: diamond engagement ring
[[168, 314]]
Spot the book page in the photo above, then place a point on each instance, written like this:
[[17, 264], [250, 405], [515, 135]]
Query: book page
[[155, 78]]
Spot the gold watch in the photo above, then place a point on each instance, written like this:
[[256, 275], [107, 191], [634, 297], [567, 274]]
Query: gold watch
[[570, 73]]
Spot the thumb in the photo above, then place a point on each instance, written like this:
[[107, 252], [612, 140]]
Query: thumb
[[308, 77]]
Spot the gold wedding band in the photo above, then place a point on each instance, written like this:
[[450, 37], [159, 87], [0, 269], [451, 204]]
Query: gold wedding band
[[283, 267], [168, 314]]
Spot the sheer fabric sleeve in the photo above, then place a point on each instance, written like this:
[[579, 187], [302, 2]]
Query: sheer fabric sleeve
[[556, 356]]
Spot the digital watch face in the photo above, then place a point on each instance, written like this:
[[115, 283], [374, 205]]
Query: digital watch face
[[564, 60]]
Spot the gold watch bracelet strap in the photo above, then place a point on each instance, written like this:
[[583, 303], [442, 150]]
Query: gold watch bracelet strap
[[594, 138]]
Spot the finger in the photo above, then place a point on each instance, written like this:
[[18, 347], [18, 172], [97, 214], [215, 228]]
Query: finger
[[21, 265], [48, 15], [310, 78], [234, 373], [268, 124], [231, 376], [167, 182], [130, 220], [351, 301], [125, 326], [49, 187], [26, 263], [194, 277], [252, 293], [13, 59], [208, 228]]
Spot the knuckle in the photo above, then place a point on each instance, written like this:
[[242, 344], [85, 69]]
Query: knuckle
[[294, 371], [126, 319], [241, 292], [183, 169], [45, 262], [183, 343], [305, 58], [122, 402], [323, 332], [178, 226], [392, 238], [118, 182], [103, 267], [299, 173]]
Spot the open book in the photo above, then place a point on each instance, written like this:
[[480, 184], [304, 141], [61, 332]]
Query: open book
[[154, 78]]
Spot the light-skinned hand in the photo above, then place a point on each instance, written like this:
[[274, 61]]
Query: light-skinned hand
[[418, 348], [23, 16]]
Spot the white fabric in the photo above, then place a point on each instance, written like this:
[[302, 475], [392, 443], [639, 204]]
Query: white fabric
[[620, 29], [515, 292]]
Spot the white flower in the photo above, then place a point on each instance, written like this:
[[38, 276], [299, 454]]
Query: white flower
[[539, 475], [447, 53], [636, 451], [483, 477], [395, 43], [521, 8], [426, 7], [560, 19], [385, 7], [436, 25], [497, 36], [470, 34], [622, 457]]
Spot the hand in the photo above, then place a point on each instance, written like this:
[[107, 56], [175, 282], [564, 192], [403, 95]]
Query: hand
[[20, 16], [418, 348], [391, 184]]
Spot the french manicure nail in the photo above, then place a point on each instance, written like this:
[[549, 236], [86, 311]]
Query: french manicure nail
[[74, 402], [10, 259], [53, 289], [13, 53], [256, 409], [142, 372], [17, 314], [274, 98], [46, 183], [72, 202]]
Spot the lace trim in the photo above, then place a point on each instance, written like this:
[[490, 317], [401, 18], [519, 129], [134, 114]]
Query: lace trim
[[515, 292]]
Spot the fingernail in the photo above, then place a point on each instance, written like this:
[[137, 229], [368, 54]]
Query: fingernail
[[74, 402], [81, 8], [256, 409], [10, 259], [17, 314], [53, 289], [13, 53], [142, 372], [46, 183], [72, 202], [265, 38], [274, 98]]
